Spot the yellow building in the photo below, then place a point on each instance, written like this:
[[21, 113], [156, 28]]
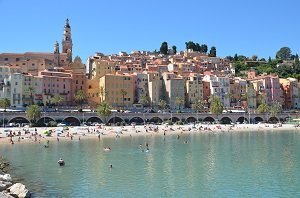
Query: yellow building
[[194, 88], [101, 67], [154, 85], [119, 89], [93, 92]]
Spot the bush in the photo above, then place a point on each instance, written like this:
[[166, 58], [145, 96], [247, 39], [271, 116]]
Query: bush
[[179, 123], [169, 122], [52, 124]]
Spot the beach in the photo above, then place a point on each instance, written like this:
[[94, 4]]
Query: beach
[[40, 134]]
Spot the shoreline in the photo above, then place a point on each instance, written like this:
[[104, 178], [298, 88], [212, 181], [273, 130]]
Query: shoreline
[[37, 135]]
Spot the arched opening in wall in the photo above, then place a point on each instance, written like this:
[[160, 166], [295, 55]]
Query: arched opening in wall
[[115, 120], [137, 120], [175, 119], [44, 121], [242, 120], [226, 120], [72, 121], [92, 120], [191, 120], [258, 119], [19, 120], [287, 119], [208, 120], [273, 120], [155, 120]]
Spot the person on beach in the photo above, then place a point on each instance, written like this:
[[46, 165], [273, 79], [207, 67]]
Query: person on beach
[[110, 166], [178, 136], [57, 139], [99, 136]]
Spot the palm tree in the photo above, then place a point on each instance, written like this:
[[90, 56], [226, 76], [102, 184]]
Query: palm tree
[[275, 109], [31, 91], [198, 105], [124, 93], [104, 109], [179, 101], [4, 103], [80, 97], [33, 113], [216, 106], [57, 100], [263, 108], [162, 104], [261, 98], [144, 100]]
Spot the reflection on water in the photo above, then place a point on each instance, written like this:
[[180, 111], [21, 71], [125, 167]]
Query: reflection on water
[[196, 165]]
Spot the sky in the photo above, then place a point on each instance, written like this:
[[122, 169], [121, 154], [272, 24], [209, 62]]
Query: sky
[[247, 27]]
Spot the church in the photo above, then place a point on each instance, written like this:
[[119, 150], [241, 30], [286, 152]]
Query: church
[[48, 74]]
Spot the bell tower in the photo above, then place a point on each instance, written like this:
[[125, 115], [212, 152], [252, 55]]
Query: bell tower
[[56, 53], [67, 38]]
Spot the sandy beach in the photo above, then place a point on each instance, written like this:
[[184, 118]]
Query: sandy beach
[[39, 135]]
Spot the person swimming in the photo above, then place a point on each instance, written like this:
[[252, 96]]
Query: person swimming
[[61, 162], [107, 149]]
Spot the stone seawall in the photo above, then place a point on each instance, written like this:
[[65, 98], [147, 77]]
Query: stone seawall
[[8, 187]]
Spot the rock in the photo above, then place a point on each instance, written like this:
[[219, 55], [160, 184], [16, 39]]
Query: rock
[[19, 190], [5, 195], [4, 185], [5, 177]]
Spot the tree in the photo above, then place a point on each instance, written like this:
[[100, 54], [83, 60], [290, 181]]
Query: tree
[[162, 104], [235, 57], [284, 53], [31, 91], [275, 109], [179, 101], [254, 57], [204, 48], [33, 113], [124, 93], [296, 59], [164, 48], [216, 106], [190, 45], [263, 108], [80, 97], [144, 100], [57, 100], [104, 109], [213, 51], [198, 105], [174, 49], [4, 103]]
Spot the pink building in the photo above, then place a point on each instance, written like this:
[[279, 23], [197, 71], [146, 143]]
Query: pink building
[[56, 83]]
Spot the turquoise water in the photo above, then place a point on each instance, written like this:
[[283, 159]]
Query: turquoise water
[[222, 165]]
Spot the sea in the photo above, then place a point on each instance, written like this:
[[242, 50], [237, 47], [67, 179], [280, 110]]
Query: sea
[[231, 164]]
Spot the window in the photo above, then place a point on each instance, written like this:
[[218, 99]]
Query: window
[[16, 83], [76, 82], [6, 59]]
